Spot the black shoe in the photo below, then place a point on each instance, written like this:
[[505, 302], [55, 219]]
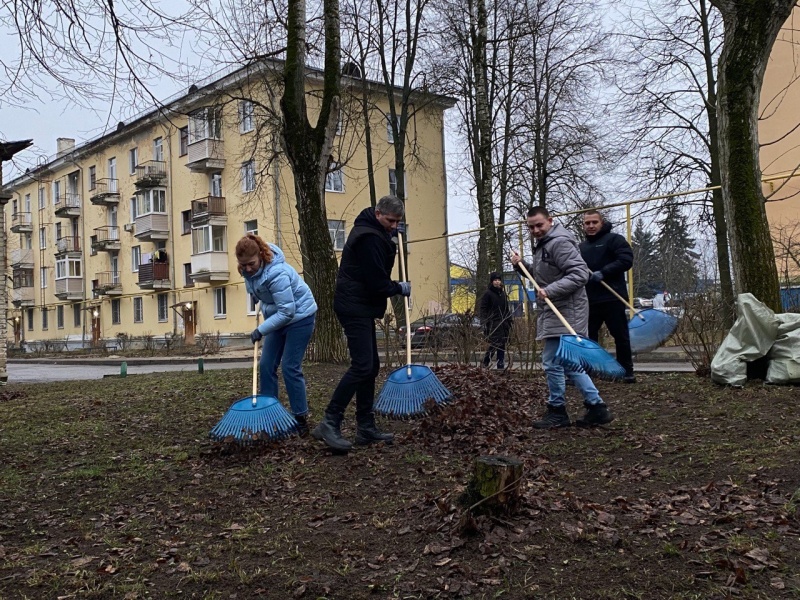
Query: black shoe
[[329, 431], [302, 425], [501, 366], [596, 414], [629, 379], [368, 433], [553, 418]]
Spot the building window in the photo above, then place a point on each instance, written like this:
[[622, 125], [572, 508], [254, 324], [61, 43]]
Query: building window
[[248, 176], [134, 212], [187, 275], [44, 318], [112, 167], [41, 198], [116, 316], [251, 304], [251, 227], [26, 239], [56, 191], [158, 149], [336, 229], [151, 201], [92, 177], [389, 130], [43, 277], [186, 222], [136, 258], [205, 124], [184, 141], [68, 267], [163, 308], [133, 160], [334, 180], [58, 232], [245, 116], [209, 238], [76, 315], [138, 310], [42, 238], [220, 307], [393, 183], [215, 184], [27, 203], [60, 316], [30, 319]]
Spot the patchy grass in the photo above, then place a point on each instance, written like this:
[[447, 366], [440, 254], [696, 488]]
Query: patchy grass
[[111, 489]]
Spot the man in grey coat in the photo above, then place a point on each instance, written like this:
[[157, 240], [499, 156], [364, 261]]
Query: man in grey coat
[[562, 274]]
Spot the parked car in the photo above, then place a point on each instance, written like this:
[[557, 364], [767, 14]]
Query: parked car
[[442, 330]]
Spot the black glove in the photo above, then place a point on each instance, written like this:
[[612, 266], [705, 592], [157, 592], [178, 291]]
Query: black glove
[[405, 288], [596, 277], [256, 335]]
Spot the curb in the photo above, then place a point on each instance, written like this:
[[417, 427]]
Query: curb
[[115, 362]]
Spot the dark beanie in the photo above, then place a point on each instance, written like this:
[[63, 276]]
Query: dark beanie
[[495, 275]]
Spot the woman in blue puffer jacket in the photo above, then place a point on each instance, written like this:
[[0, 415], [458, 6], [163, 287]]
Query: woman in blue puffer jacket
[[289, 313]]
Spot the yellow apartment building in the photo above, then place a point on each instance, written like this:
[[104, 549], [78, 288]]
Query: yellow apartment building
[[131, 234], [779, 135]]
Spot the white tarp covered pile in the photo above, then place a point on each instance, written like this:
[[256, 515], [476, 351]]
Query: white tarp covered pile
[[759, 332]]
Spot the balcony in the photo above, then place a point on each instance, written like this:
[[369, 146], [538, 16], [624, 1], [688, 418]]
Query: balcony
[[68, 246], [107, 283], [152, 173], [22, 258], [154, 276], [152, 227], [69, 288], [106, 239], [68, 205], [23, 296], [210, 266], [105, 193], [21, 222], [210, 209], [206, 155]]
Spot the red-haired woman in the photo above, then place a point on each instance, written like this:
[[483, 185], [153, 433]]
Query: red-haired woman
[[289, 313]]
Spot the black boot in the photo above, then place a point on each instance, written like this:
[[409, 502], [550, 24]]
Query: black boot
[[302, 425], [329, 431], [596, 414], [553, 418], [368, 433]]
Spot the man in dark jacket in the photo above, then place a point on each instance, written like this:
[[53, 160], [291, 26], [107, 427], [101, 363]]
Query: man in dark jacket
[[609, 256], [496, 319], [363, 284]]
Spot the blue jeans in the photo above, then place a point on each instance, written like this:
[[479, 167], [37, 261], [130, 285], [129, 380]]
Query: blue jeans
[[556, 378], [286, 347]]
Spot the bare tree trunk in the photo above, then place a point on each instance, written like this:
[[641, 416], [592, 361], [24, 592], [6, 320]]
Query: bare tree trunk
[[309, 151], [3, 286], [488, 260], [750, 32]]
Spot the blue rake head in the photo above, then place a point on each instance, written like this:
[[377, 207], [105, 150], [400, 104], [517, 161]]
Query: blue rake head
[[650, 328], [411, 391], [254, 419], [582, 354]]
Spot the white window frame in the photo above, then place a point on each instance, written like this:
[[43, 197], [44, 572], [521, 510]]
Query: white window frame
[[60, 316], [205, 124], [43, 277], [334, 179], [116, 311], [389, 132], [133, 160], [42, 198], [136, 258], [112, 167], [251, 226], [220, 303], [252, 304], [187, 280], [134, 209], [76, 315], [337, 231], [246, 111], [393, 182], [215, 184], [69, 268], [248, 175], [152, 201], [203, 239], [27, 203], [158, 149], [42, 238], [138, 300], [56, 191], [183, 150], [163, 307]]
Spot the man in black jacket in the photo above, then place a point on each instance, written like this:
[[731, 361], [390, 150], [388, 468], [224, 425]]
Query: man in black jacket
[[363, 284], [609, 256], [496, 319]]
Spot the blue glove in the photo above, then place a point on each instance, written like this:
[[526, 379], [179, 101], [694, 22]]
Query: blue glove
[[256, 335], [405, 288], [596, 277]]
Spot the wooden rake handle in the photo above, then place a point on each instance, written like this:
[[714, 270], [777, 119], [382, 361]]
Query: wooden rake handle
[[623, 300], [405, 304], [547, 300]]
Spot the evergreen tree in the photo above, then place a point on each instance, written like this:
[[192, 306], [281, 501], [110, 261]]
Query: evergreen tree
[[646, 279], [677, 258]]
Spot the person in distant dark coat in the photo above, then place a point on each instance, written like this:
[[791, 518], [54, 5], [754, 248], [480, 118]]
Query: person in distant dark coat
[[496, 318], [609, 256], [363, 284]]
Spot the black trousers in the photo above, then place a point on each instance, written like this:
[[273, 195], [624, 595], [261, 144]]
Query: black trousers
[[613, 315], [498, 345], [359, 380]]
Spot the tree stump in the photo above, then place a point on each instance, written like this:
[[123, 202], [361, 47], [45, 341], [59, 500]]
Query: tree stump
[[495, 485]]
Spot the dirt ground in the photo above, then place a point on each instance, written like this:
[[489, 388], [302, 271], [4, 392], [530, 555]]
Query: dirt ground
[[111, 489]]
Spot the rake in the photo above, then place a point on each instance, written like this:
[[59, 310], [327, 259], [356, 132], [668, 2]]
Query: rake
[[411, 390], [578, 353], [650, 331], [256, 418]]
